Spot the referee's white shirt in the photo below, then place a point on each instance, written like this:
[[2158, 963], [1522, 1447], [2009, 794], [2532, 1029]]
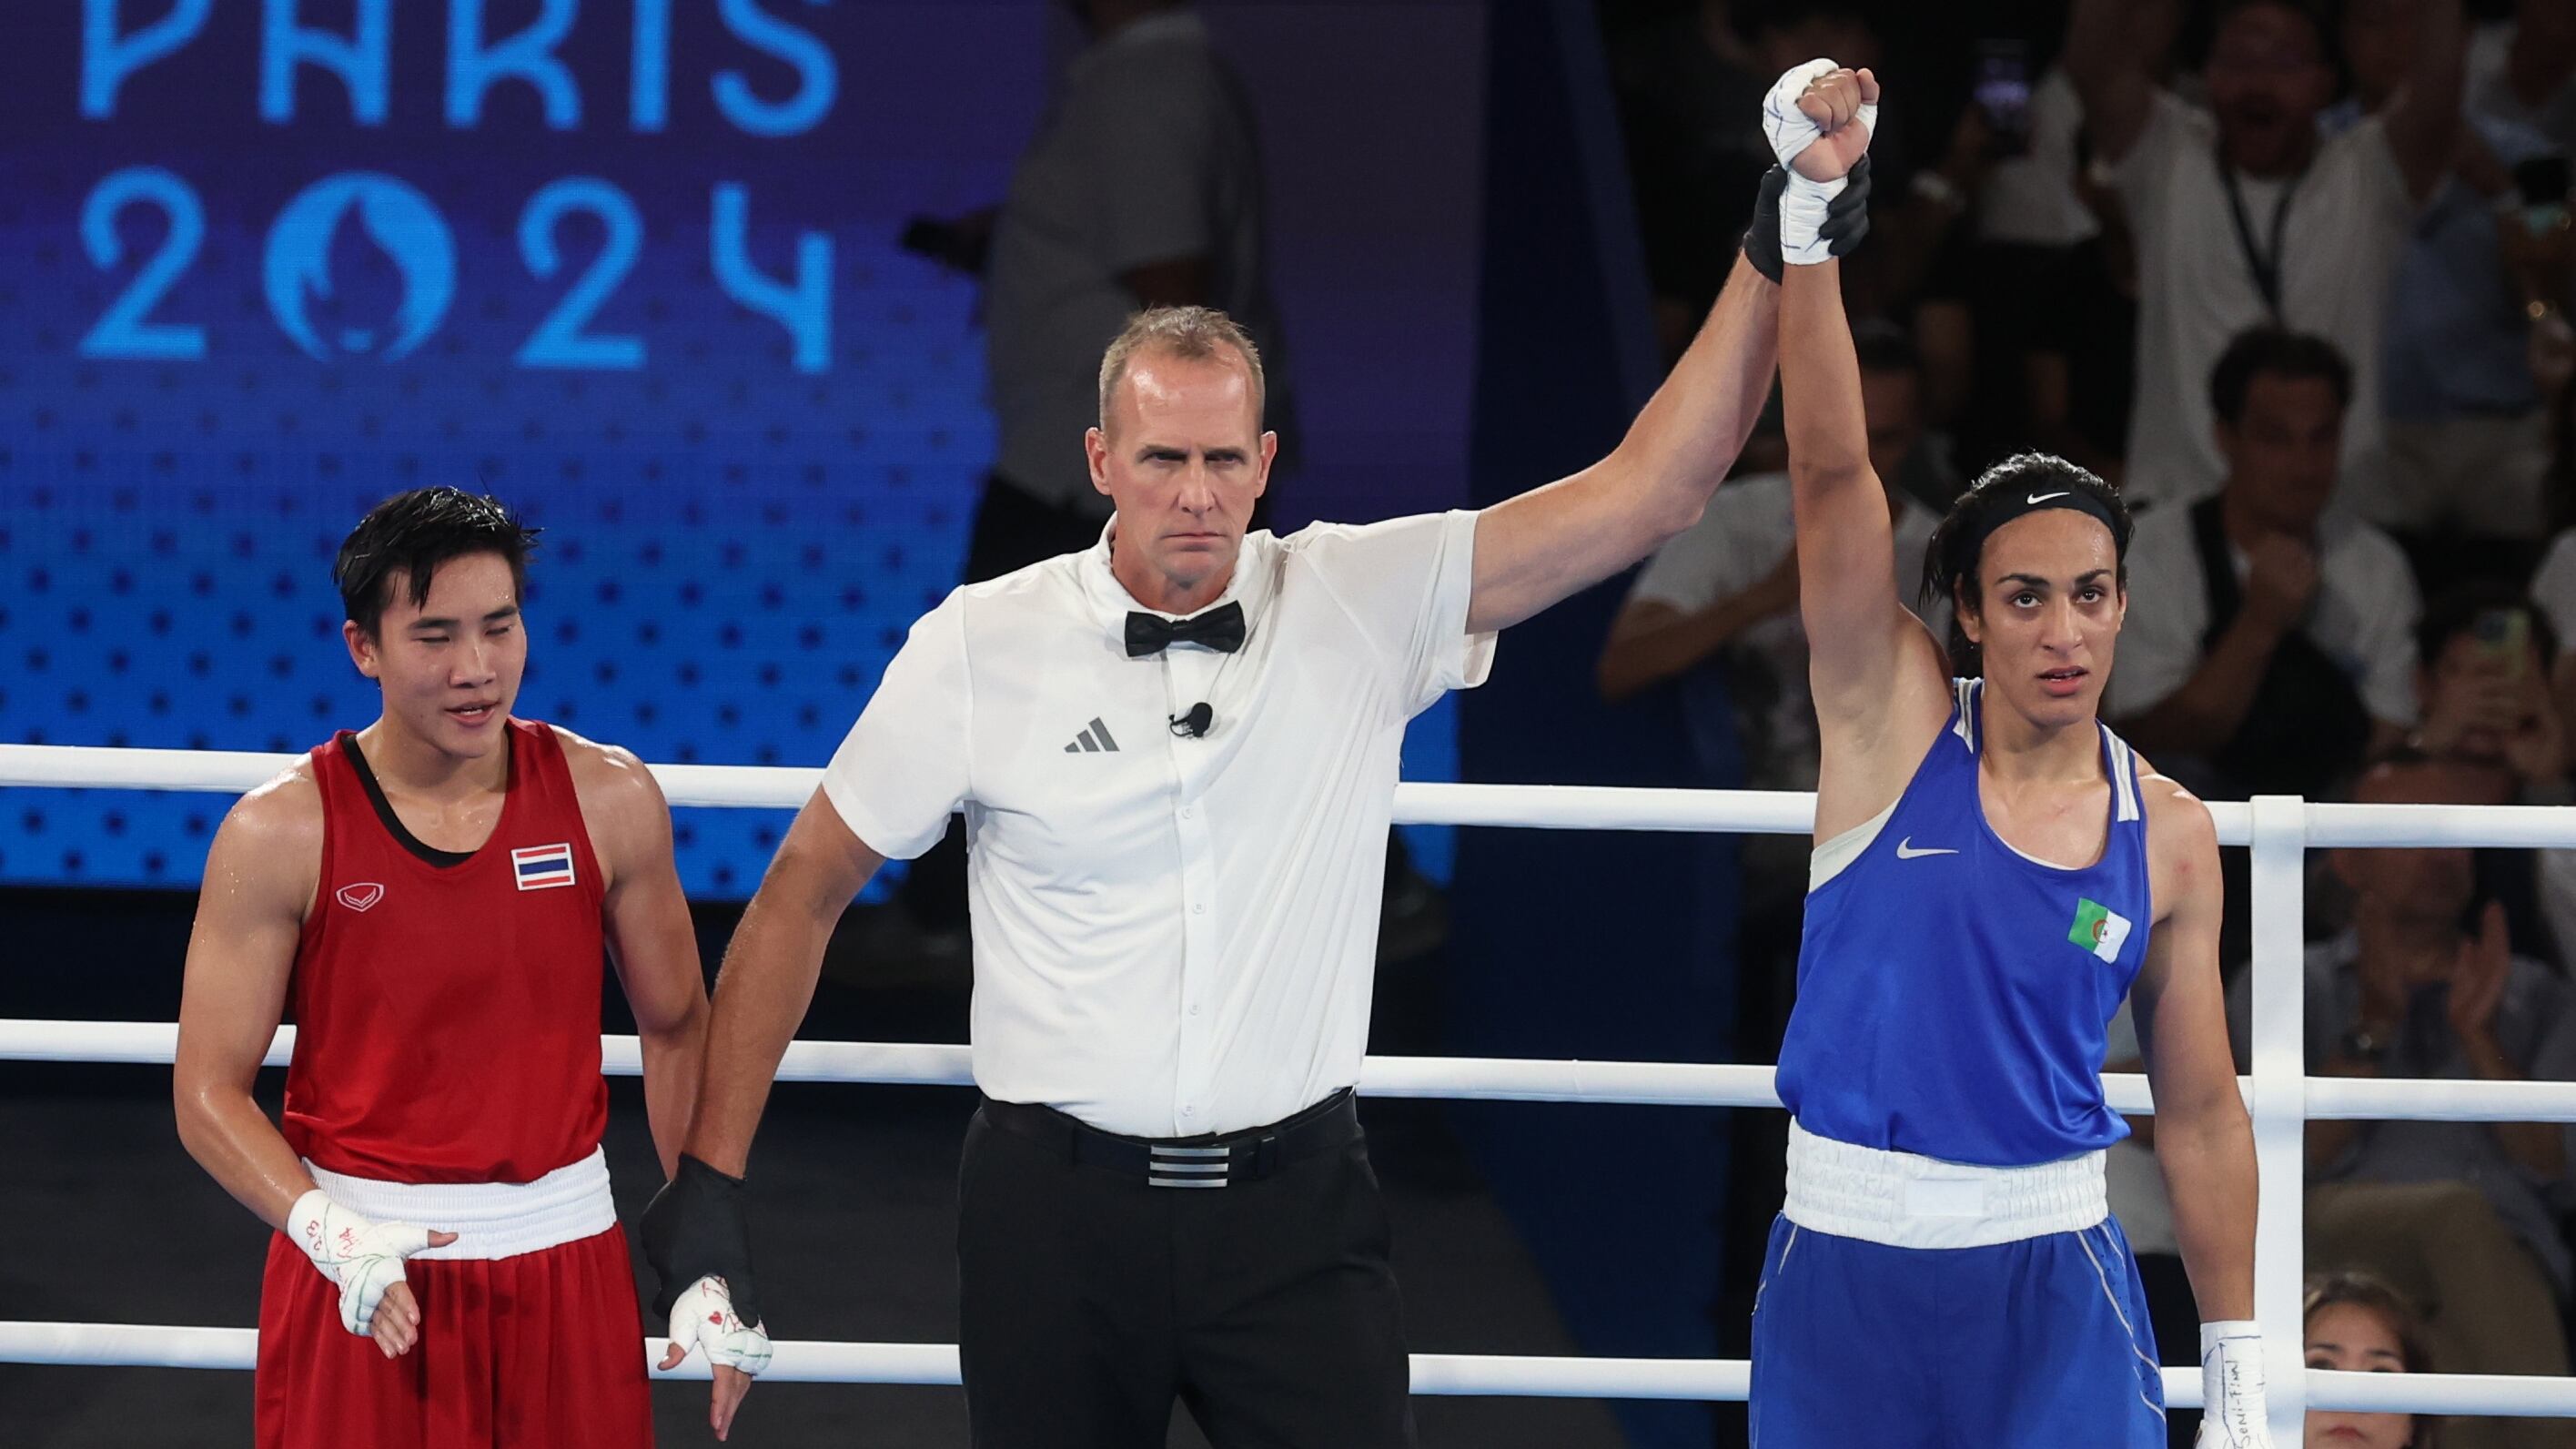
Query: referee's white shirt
[[1173, 936]]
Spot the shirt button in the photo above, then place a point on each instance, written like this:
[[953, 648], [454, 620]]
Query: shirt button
[[1189, 1111], [1188, 813], [1199, 909], [1194, 1010]]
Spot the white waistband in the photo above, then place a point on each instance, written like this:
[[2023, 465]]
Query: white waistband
[[1906, 1201], [489, 1219]]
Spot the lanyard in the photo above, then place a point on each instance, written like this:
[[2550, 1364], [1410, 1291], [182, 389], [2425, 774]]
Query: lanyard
[[2265, 265]]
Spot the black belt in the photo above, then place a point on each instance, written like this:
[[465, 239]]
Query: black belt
[[1218, 1160]]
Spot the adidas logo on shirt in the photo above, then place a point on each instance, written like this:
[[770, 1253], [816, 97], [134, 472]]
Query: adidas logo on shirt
[[1092, 741]]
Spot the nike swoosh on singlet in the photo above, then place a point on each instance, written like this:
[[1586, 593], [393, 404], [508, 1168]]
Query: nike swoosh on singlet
[[2043, 497], [1905, 850]]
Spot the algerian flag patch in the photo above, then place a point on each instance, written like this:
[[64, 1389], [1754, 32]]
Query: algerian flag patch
[[2098, 929]]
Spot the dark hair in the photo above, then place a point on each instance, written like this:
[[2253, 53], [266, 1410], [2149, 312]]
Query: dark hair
[[1882, 346], [2456, 610], [2363, 1290], [414, 533], [2274, 352], [1751, 18], [2307, 10], [1954, 552]]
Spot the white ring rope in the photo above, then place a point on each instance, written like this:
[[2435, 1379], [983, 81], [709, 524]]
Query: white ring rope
[[1553, 807], [1492, 1079], [122, 1345], [2280, 1096]]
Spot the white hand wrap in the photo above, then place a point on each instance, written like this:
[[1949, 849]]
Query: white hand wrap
[[2231, 1386], [703, 1317], [1803, 202], [363, 1257]]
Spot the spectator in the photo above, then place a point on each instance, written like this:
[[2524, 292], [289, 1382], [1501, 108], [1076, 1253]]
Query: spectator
[[1924, 275], [2483, 684], [2279, 648], [2357, 1324], [2244, 214], [2055, 292], [2553, 364], [2467, 426], [1729, 585], [2457, 1215], [2523, 73], [2487, 708], [1690, 100], [1143, 188]]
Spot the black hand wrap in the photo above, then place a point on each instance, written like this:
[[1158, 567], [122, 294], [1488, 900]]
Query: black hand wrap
[[1846, 220], [696, 1227]]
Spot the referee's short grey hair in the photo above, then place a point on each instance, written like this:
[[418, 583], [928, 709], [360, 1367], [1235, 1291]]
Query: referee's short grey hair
[[1189, 333]]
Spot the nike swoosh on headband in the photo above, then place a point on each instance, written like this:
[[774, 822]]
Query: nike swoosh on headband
[[2042, 497]]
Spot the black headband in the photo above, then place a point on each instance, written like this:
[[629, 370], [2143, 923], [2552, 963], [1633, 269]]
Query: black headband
[[2025, 498]]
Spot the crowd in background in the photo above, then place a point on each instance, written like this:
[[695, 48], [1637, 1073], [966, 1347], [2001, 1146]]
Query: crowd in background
[[2295, 277]]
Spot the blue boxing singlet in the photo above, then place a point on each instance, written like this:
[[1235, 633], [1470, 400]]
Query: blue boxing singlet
[[1952, 992]]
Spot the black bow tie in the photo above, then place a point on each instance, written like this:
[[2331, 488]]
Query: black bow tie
[[1220, 629]]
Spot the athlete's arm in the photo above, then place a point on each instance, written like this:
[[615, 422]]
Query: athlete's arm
[[1881, 685], [2204, 1141], [650, 936], [1550, 542], [259, 881]]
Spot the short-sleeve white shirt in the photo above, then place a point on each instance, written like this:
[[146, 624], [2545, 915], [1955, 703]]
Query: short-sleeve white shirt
[[1747, 529], [2347, 228], [1172, 935], [2363, 617], [2553, 587]]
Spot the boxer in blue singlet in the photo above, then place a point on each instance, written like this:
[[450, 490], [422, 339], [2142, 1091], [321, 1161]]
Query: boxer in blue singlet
[[1994, 871]]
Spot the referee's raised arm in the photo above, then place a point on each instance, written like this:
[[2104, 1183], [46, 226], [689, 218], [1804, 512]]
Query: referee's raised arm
[[1551, 542]]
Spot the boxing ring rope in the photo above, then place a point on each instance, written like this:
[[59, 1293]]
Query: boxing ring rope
[[1491, 1079], [2281, 1098]]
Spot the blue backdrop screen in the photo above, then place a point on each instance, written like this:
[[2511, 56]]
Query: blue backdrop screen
[[629, 266]]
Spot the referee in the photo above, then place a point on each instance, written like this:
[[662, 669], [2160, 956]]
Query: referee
[[1176, 752]]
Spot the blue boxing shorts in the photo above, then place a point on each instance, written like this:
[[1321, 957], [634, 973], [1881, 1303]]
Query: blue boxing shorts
[[2038, 1342]]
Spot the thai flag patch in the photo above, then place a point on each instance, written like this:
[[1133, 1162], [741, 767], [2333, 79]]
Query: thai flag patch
[[541, 867]]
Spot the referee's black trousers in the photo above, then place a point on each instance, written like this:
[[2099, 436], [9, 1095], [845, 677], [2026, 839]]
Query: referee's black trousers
[[1091, 1300]]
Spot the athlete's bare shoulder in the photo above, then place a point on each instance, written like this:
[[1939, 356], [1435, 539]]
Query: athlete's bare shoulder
[[621, 802], [284, 809], [270, 843], [2182, 841], [605, 775]]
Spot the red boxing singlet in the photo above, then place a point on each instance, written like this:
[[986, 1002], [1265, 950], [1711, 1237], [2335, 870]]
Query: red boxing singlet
[[447, 1017]]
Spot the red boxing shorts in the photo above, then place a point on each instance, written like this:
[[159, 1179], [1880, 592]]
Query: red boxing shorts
[[540, 1349]]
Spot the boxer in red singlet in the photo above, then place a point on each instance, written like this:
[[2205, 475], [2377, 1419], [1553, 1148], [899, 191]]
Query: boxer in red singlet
[[431, 899]]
